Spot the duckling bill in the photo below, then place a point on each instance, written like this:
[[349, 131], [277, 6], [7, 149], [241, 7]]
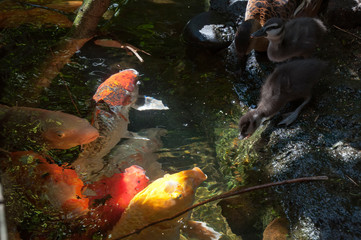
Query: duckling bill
[[298, 37], [259, 11], [288, 82]]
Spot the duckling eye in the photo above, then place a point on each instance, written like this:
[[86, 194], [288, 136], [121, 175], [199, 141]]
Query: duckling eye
[[60, 134]]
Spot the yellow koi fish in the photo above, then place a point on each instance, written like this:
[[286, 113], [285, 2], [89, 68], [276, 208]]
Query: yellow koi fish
[[163, 198]]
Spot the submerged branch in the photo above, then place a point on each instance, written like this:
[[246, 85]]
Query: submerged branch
[[345, 31], [228, 194], [46, 8], [83, 29]]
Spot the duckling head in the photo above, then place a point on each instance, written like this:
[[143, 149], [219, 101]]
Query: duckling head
[[242, 39], [272, 29], [249, 123]]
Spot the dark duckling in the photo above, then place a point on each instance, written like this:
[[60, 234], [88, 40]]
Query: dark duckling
[[259, 11], [289, 81], [298, 37]]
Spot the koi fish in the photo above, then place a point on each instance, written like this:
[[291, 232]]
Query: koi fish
[[114, 98], [139, 151], [163, 198], [40, 128], [57, 185], [111, 196]]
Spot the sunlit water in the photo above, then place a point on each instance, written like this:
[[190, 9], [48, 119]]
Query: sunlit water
[[197, 91], [195, 87]]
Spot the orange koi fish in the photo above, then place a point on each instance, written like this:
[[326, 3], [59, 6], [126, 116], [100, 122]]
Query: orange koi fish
[[57, 185], [114, 97], [45, 129]]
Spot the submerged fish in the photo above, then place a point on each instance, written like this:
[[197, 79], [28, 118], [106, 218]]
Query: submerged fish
[[163, 198], [39, 128], [111, 196], [114, 98], [139, 151], [47, 184]]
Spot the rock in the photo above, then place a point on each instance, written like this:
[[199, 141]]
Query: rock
[[208, 30], [276, 230], [215, 29], [233, 9], [324, 140], [242, 215], [344, 13], [236, 10]]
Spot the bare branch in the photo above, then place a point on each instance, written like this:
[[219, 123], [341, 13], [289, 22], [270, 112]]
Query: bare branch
[[345, 31], [227, 195]]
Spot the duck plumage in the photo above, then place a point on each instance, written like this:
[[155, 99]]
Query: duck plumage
[[288, 82], [297, 37], [259, 11]]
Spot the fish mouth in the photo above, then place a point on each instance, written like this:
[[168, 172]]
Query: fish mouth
[[89, 140], [199, 176]]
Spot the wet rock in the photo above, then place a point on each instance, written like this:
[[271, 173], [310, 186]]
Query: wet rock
[[215, 29], [344, 13], [276, 230], [208, 30], [324, 140], [236, 9], [233, 9], [242, 215]]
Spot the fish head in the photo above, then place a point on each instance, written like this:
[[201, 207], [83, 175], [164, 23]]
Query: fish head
[[120, 89], [64, 131], [169, 195]]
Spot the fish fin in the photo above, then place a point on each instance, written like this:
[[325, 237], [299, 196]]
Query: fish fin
[[200, 231], [134, 135], [149, 103]]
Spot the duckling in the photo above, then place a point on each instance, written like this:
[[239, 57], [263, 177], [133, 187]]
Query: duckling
[[288, 82], [296, 38], [259, 11]]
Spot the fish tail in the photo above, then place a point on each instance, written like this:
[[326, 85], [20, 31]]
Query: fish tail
[[200, 230]]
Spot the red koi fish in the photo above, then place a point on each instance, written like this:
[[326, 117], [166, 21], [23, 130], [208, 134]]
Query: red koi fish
[[112, 196], [118, 89]]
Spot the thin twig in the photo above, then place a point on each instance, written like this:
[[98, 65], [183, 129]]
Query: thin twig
[[226, 195], [71, 98], [352, 180], [345, 31], [45, 7]]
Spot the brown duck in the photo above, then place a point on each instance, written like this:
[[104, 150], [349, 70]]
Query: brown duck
[[297, 37], [288, 82], [259, 11]]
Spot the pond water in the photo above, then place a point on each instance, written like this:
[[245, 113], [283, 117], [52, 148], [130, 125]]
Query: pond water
[[194, 85]]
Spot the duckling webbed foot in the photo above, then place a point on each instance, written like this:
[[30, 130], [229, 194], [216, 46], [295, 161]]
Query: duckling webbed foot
[[292, 116]]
